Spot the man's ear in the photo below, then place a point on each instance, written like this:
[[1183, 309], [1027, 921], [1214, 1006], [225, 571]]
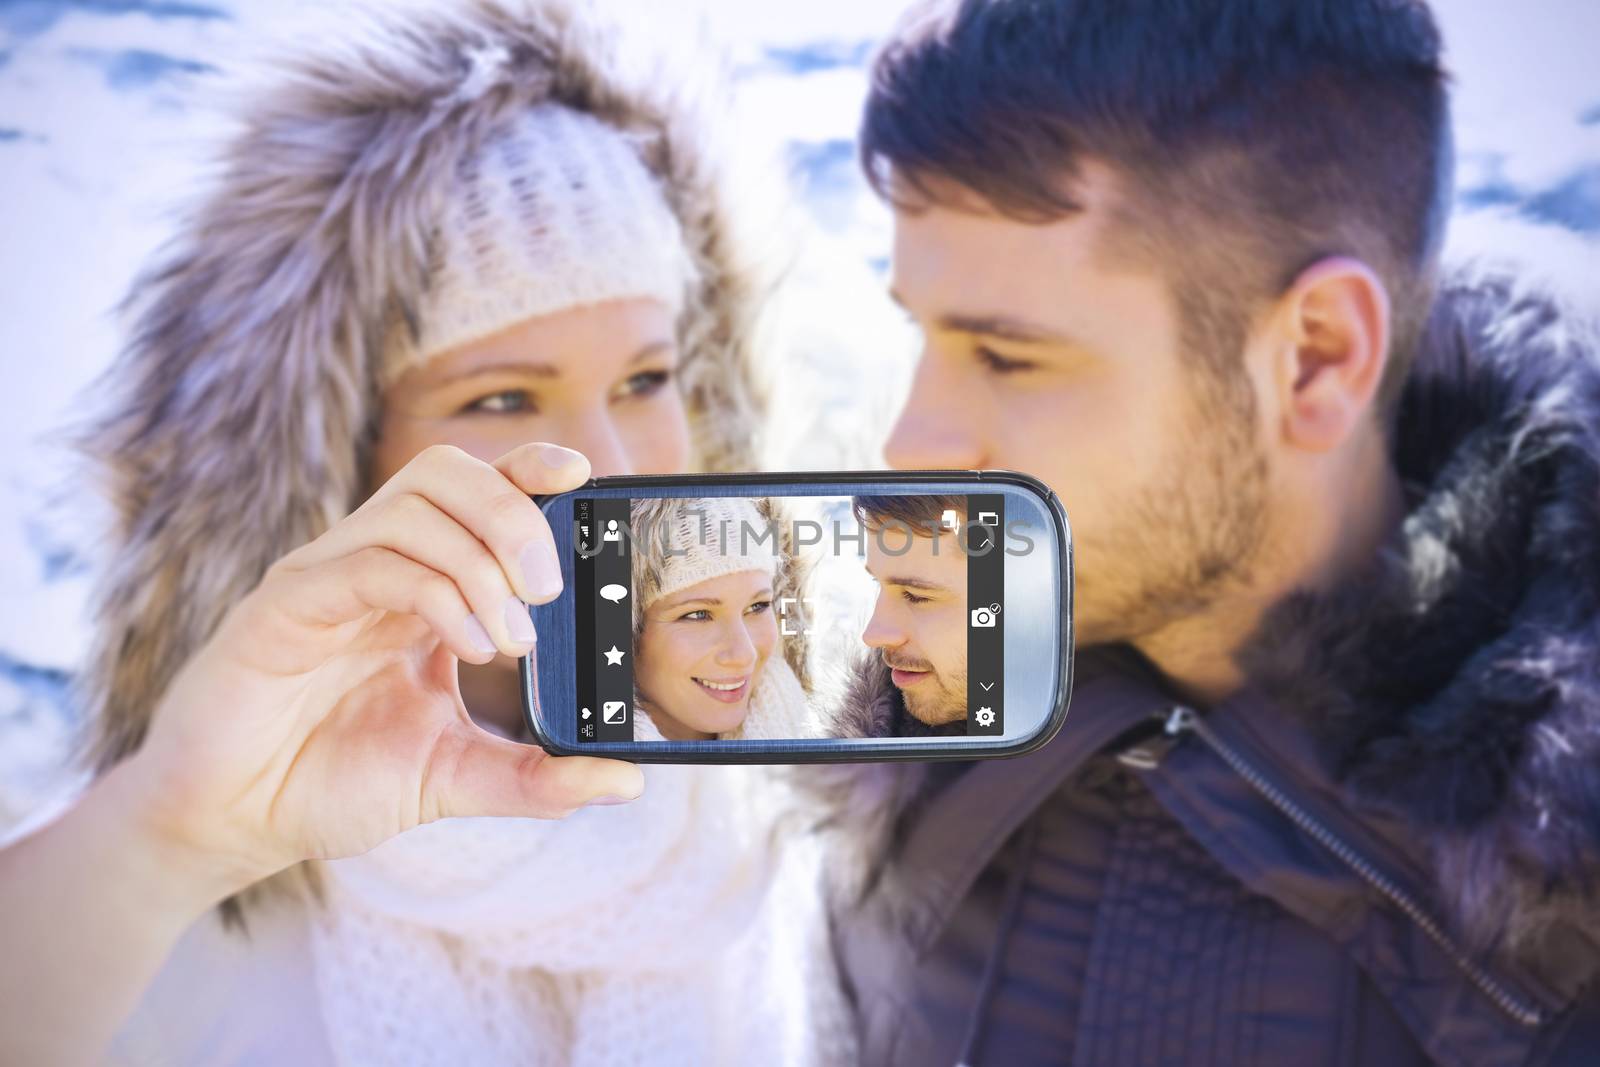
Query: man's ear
[[1333, 345]]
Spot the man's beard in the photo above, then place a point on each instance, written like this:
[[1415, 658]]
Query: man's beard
[[945, 702], [1197, 532]]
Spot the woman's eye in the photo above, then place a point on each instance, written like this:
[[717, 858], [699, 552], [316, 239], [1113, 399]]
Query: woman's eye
[[645, 383], [758, 607], [1003, 364], [697, 615], [912, 598], [504, 402]]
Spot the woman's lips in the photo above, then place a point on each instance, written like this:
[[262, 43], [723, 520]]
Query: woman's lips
[[727, 690], [903, 678]]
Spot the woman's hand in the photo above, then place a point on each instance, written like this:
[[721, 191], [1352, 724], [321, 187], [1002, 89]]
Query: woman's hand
[[324, 715]]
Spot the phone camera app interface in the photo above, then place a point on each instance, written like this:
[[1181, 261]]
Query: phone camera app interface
[[727, 617]]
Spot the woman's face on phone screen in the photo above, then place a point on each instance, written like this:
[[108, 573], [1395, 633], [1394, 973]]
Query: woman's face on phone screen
[[597, 378], [701, 652]]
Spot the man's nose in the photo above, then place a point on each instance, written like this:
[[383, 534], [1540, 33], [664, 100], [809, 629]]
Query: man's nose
[[937, 427], [881, 632]]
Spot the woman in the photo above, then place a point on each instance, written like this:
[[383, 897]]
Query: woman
[[705, 622], [428, 246]]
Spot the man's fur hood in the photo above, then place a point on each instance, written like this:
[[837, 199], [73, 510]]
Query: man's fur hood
[[236, 423], [872, 705], [861, 807], [1456, 686]]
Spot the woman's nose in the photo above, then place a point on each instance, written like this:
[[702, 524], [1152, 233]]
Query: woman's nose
[[737, 651], [594, 433]]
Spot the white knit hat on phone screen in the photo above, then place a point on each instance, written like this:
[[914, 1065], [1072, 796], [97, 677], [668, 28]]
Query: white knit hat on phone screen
[[708, 537]]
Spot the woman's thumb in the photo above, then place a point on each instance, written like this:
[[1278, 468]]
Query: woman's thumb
[[473, 772]]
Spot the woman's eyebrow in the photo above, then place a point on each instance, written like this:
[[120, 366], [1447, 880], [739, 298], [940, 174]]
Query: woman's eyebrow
[[673, 605], [535, 368], [532, 368]]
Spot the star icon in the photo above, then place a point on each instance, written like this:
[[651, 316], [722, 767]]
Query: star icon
[[613, 656]]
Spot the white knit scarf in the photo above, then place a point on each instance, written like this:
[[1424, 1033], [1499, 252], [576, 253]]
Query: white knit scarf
[[675, 929]]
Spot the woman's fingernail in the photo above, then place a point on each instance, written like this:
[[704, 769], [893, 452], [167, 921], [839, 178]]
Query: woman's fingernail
[[541, 569], [555, 456], [518, 624], [477, 636], [610, 798]]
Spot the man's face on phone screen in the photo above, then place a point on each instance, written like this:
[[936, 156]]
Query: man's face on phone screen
[[919, 623]]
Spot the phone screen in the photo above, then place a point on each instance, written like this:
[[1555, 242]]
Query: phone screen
[[747, 618]]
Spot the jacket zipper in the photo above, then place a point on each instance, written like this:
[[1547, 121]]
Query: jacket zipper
[[1181, 720]]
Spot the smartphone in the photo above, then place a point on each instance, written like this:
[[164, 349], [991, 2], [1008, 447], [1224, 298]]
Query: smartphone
[[804, 617]]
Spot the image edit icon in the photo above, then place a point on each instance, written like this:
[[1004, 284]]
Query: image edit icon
[[614, 711]]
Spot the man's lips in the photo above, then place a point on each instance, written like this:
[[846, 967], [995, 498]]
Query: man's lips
[[727, 690], [902, 677]]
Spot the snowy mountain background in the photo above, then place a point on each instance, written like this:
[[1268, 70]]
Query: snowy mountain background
[[104, 123]]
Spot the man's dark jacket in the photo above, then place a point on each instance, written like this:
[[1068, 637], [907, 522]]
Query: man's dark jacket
[[1382, 851]]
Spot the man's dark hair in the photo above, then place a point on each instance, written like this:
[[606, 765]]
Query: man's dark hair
[[1252, 138], [922, 513]]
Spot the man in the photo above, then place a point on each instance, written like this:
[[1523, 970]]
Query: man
[[919, 623], [1328, 792]]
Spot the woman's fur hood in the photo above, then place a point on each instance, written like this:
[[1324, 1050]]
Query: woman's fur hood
[[236, 423]]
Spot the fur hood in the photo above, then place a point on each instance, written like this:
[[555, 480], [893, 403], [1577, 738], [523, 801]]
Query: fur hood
[[861, 807], [872, 705], [236, 423], [1457, 686]]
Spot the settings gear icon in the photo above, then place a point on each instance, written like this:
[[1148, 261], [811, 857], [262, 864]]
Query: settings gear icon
[[985, 716]]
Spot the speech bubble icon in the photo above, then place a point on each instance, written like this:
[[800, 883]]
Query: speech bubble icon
[[613, 592]]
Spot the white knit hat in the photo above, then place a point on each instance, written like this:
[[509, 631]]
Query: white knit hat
[[555, 211], [707, 537]]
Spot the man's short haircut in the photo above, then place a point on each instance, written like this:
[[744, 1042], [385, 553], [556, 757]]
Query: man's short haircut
[[1251, 137], [922, 513]]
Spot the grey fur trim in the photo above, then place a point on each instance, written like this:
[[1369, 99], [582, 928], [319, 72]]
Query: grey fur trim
[[861, 808], [1457, 687], [237, 418], [235, 424]]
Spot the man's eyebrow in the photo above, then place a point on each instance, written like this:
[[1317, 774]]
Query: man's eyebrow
[[1001, 327], [909, 582], [539, 369]]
